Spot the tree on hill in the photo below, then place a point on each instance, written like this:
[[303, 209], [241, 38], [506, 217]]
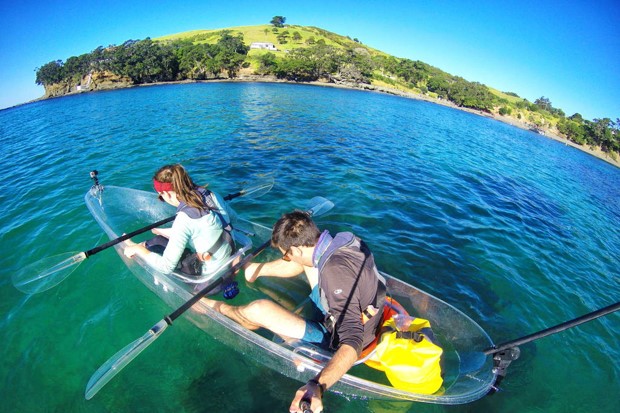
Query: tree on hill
[[197, 61], [148, 61], [267, 63], [231, 54], [307, 64], [504, 110], [573, 130], [145, 61], [576, 117], [283, 37], [543, 103], [601, 133], [278, 21], [50, 73]]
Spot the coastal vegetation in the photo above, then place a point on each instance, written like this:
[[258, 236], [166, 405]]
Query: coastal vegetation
[[307, 54]]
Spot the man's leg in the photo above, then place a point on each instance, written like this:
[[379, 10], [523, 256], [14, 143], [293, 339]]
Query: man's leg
[[262, 314]]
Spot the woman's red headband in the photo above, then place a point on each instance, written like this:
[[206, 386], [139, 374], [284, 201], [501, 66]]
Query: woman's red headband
[[162, 186]]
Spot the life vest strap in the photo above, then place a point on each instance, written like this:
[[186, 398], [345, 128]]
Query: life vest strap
[[226, 235], [390, 308]]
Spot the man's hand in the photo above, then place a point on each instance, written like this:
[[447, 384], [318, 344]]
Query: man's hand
[[309, 392], [337, 367]]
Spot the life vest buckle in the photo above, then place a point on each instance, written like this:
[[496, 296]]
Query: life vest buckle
[[410, 335]]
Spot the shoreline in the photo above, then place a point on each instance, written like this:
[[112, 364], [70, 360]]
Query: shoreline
[[597, 153], [248, 78], [410, 95]]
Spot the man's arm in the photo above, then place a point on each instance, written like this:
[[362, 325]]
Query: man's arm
[[277, 268], [341, 362]]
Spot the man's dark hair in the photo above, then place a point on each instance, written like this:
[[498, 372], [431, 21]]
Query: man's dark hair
[[295, 229]]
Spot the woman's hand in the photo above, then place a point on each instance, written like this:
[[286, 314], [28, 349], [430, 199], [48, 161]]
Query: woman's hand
[[164, 232], [131, 249]]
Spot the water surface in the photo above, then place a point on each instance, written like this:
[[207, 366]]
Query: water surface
[[518, 231]]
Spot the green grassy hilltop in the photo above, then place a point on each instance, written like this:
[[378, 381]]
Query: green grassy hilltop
[[308, 54]]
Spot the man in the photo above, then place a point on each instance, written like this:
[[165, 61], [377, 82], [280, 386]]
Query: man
[[346, 287]]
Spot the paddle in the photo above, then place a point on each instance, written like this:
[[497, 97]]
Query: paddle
[[505, 353], [105, 373], [552, 330], [51, 271]]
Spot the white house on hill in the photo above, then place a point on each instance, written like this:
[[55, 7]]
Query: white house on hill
[[263, 45]]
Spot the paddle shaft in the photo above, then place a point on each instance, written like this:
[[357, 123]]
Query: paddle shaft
[[552, 330], [125, 237]]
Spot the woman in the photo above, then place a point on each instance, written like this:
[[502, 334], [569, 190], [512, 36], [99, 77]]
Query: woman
[[202, 223]]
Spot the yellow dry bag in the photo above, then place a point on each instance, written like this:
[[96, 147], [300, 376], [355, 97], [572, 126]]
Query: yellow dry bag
[[408, 356]]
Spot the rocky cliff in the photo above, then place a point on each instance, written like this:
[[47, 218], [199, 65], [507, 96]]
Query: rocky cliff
[[93, 81]]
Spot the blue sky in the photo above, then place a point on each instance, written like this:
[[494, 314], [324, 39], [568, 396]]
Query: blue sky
[[567, 51]]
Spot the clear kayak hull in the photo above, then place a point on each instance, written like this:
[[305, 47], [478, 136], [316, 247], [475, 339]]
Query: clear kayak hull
[[468, 373]]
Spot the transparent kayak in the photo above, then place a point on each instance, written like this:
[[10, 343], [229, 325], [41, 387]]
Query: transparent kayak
[[468, 373]]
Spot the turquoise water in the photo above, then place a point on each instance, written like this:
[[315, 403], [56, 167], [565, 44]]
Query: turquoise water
[[518, 231]]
